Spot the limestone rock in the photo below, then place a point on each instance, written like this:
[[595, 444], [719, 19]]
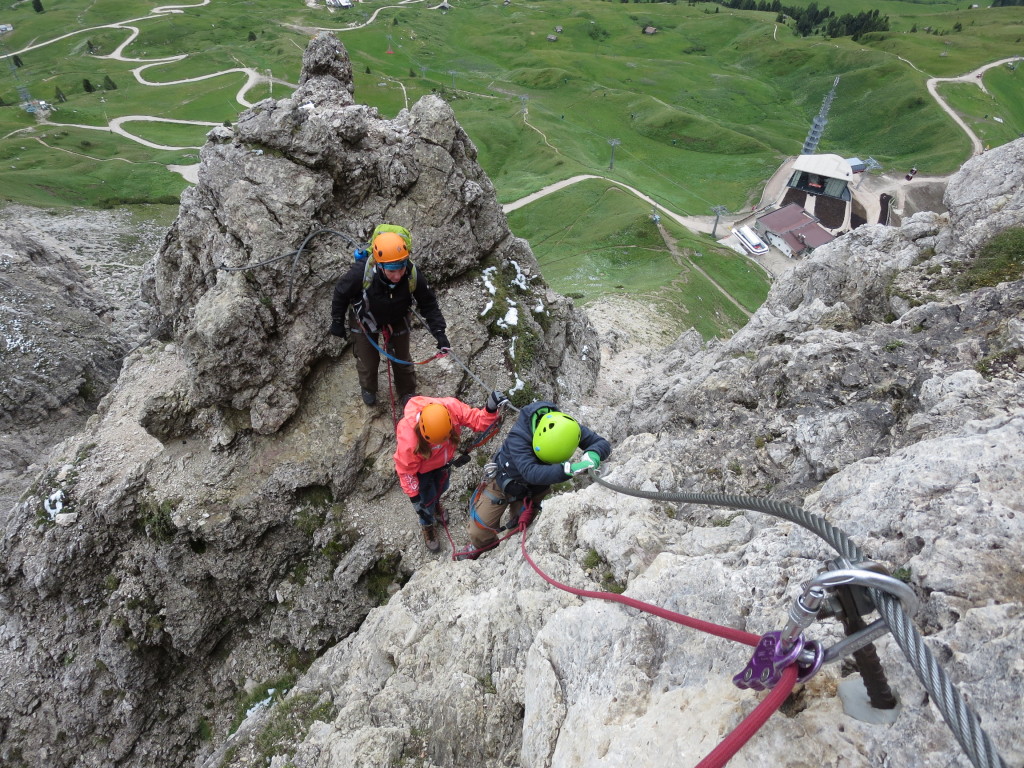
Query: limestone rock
[[61, 344], [888, 426], [243, 585], [229, 512]]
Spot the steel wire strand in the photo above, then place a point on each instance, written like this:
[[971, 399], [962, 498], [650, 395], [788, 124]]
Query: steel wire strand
[[816, 524], [960, 718], [964, 723]]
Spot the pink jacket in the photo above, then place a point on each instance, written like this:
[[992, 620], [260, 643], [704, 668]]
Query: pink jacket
[[408, 463]]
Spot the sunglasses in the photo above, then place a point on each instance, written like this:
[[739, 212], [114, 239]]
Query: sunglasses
[[394, 266]]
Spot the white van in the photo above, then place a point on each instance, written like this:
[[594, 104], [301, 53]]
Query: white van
[[753, 244]]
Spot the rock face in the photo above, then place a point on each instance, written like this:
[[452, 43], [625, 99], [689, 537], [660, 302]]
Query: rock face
[[63, 331], [220, 600], [315, 162], [230, 510], [869, 387]]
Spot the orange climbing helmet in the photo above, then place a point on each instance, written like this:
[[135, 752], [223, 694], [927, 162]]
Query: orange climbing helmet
[[435, 423], [389, 247]]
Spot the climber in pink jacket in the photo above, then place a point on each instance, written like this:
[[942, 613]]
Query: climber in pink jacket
[[428, 437]]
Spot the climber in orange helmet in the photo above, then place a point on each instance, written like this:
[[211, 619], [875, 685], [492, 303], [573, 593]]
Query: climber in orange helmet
[[428, 436], [374, 298]]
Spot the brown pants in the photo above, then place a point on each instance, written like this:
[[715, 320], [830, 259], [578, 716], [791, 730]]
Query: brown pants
[[368, 362], [486, 508]]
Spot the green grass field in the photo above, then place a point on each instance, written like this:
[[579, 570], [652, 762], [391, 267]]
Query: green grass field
[[610, 244], [704, 110]]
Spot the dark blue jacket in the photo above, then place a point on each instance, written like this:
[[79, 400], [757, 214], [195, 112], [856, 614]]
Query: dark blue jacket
[[520, 472]]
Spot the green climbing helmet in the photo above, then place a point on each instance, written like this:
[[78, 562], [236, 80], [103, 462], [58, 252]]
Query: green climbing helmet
[[555, 437]]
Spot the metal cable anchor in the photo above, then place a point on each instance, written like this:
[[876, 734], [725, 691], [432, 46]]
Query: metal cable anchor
[[873, 581], [777, 650]]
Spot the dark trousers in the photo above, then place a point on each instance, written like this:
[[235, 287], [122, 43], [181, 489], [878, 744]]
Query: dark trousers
[[433, 484], [368, 362]]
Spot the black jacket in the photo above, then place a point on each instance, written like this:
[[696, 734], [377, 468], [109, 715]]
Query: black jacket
[[385, 304]]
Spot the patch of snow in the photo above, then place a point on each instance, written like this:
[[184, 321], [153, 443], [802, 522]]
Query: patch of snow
[[488, 274], [520, 280], [511, 317], [259, 706]]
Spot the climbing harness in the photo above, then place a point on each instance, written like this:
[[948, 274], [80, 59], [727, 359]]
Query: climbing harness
[[383, 350]]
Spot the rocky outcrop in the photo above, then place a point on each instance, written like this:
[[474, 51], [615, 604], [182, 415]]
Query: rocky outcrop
[[230, 510], [869, 389], [314, 162], [228, 595], [63, 332]]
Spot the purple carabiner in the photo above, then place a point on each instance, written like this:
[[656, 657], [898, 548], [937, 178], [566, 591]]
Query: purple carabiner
[[764, 670]]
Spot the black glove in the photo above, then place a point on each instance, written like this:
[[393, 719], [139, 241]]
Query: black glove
[[420, 507], [494, 401], [442, 342], [461, 460], [338, 329]]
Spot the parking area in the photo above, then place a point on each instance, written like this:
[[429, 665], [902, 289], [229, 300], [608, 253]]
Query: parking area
[[775, 262]]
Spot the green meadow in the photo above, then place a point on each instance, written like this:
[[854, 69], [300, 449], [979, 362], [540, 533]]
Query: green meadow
[[703, 110], [610, 244]]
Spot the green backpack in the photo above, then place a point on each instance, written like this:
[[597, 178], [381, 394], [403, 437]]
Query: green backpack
[[370, 262]]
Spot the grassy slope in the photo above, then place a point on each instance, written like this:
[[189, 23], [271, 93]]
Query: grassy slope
[[609, 243], [704, 109]]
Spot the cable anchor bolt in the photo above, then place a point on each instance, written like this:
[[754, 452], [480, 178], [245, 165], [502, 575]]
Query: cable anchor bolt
[[874, 585]]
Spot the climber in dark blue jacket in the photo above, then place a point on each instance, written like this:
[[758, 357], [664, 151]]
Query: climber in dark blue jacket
[[535, 455]]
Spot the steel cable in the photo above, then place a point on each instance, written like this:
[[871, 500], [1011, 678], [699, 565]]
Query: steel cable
[[964, 723]]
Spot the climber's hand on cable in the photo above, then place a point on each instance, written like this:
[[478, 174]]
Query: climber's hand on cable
[[338, 329], [494, 401], [590, 460], [443, 344]]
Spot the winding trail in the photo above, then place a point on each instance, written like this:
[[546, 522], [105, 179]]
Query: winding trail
[[695, 223], [772, 189], [684, 261], [704, 224], [971, 77], [253, 78]]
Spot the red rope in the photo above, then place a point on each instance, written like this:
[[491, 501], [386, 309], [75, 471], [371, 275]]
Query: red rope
[[705, 626], [741, 734]]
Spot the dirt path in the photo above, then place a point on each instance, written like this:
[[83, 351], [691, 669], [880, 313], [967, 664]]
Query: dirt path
[[685, 261], [971, 77]]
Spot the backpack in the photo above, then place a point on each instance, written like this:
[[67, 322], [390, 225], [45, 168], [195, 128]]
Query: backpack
[[364, 255]]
